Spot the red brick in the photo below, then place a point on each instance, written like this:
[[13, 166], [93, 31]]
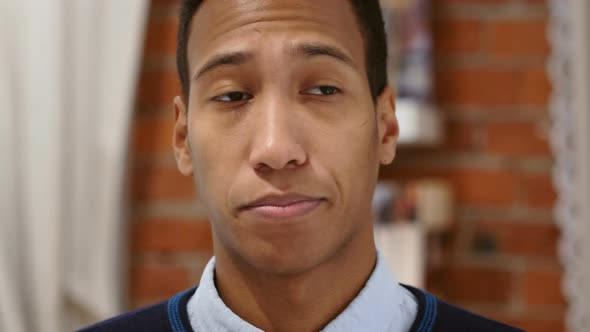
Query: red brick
[[153, 134], [157, 282], [484, 187], [475, 187], [462, 135], [152, 184], [509, 38], [533, 88], [411, 172], [457, 36], [543, 287], [477, 284], [172, 236], [517, 139], [485, 86], [540, 191], [158, 88], [161, 37], [475, 86], [527, 239]]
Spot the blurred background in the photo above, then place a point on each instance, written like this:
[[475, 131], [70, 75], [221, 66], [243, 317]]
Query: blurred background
[[96, 219]]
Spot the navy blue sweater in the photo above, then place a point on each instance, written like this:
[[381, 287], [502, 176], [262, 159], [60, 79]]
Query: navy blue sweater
[[433, 315]]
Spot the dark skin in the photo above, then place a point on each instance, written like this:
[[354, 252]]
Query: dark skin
[[280, 105]]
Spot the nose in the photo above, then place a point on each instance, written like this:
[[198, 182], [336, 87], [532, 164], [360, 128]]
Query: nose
[[277, 142]]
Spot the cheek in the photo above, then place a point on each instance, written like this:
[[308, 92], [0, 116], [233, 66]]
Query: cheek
[[361, 160], [211, 167], [349, 155]]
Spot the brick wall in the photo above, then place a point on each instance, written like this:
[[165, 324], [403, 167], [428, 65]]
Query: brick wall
[[169, 235], [491, 85]]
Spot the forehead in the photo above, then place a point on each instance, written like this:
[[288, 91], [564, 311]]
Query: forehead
[[231, 25]]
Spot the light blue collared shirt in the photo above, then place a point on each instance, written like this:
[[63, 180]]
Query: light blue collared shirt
[[382, 305]]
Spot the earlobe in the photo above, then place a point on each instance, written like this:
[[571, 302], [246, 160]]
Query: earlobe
[[180, 139], [387, 126]]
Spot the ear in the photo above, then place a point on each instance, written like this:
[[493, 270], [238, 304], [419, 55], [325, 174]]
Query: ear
[[180, 138], [387, 126]]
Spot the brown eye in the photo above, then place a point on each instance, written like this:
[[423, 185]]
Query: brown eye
[[233, 97], [324, 90]]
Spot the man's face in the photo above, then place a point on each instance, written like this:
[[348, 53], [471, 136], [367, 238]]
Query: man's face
[[281, 132]]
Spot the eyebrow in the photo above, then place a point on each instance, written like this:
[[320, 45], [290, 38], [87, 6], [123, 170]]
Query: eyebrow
[[321, 49], [303, 49], [231, 58]]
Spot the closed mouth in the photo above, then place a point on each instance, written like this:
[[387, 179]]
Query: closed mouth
[[282, 206]]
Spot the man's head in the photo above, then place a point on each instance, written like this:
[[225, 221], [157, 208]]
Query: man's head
[[282, 128], [369, 20]]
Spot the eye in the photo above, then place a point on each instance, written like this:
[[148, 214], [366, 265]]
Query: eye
[[233, 97], [323, 90]]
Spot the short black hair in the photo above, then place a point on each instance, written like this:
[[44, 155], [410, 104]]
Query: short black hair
[[370, 20]]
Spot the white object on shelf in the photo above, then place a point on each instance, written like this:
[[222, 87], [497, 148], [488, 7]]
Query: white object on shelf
[[419, 123], [403, 246], [434, 204]]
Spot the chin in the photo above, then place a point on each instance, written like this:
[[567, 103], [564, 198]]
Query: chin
[[293, 258], [294, 249]]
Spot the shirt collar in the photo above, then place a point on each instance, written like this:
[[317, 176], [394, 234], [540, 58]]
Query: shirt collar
[[382, 305]]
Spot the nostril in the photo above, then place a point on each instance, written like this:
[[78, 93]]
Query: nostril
[[262, 167], [292, 164]]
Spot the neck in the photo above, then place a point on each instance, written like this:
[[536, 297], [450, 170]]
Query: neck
[[305, 301]]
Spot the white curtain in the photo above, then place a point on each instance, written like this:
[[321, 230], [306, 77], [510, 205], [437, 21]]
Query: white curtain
[[569, 67], [68, 69]]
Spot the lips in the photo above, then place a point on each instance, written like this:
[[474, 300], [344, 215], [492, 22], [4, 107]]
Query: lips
[[282, 206]]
